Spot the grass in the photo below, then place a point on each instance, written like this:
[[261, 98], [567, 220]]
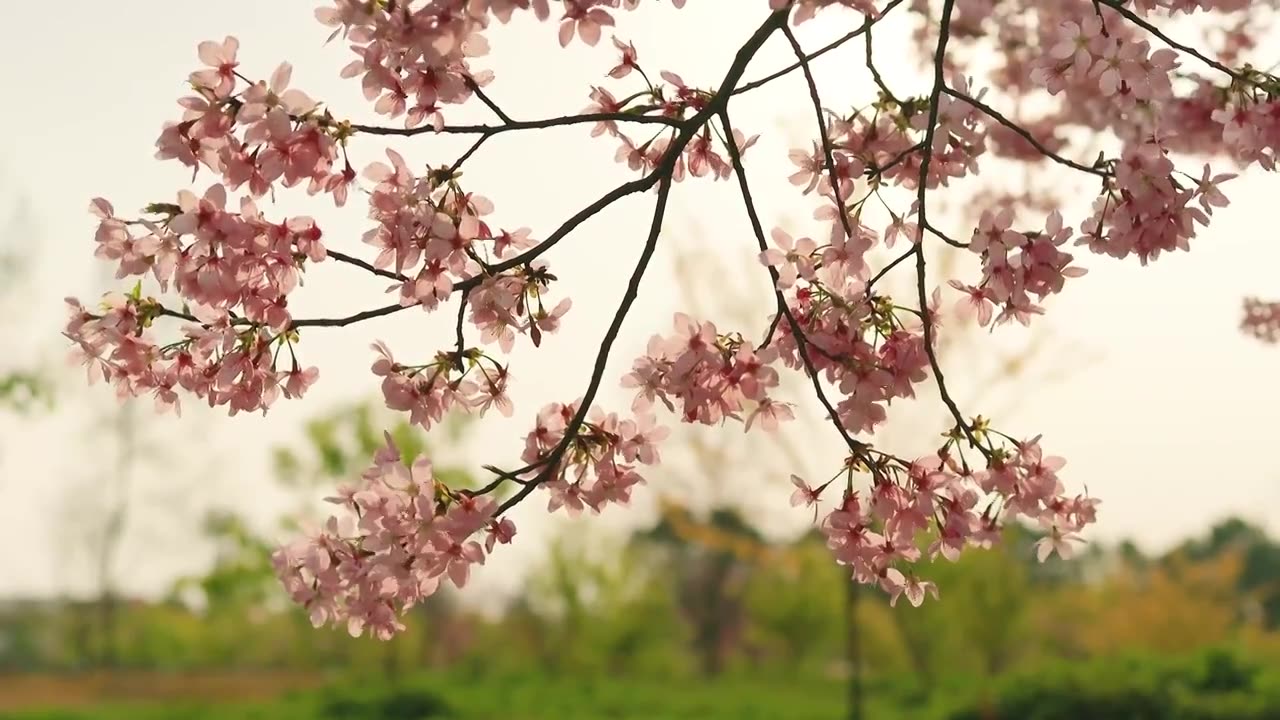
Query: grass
[[524, 697]]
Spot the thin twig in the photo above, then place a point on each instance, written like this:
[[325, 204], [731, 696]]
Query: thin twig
[[350, 319], [462, 312], [802, 344], [926, 319], [518, 125], [348, 259], [943, 236], [602, 357], [867, 24], [885, 270], [827, 150], [882, 169], [875, 73], [453, 169], [664, 172], [1140, 22], [505, 118], [1021, 131]]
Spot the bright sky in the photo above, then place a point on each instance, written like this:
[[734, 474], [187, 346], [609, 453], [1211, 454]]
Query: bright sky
[[1167, 422]]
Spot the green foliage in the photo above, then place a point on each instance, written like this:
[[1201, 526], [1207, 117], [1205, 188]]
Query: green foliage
[[518, 697], [797, 608], [1260, 575], [241, 577], [340, 444], [382, 703], [1217, 685], [23, 391], [608, 613], [702, 618]]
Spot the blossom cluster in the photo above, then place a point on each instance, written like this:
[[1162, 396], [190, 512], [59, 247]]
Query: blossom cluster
[[410, 532], [590, 462], [256, 135], [1262, 319], [234, 271], [1016, 266], [712, 376], [433, 234], [937, 499], [675, 101]]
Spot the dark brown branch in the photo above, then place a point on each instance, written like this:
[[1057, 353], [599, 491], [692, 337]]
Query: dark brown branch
[[802, 344], [462, 344], [875, 73], [524, 258], [943, 236], [180, 315], [773, 328], [663, 175], [502, 477], [1021, 131], [602, 357], [350, 319], [926, 319], [453, 169], [827, 151], [688, 129], [885, 270], [1140, 22], [518, 125], [505, 118], [307, 322], [348, 259], [865, 28], [881, 169]]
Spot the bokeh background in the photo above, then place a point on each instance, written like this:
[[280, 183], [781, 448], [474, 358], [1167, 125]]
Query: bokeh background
[[134, 580]]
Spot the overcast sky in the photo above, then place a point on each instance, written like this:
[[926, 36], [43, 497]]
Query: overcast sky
[[1169, 422]]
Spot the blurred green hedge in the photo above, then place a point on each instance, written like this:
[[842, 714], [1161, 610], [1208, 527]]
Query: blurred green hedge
[[1216, 685]]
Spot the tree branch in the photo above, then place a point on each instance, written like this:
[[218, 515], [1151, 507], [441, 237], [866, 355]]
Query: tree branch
[[857, 448], [505, 118], [827, 151], [885, 270], [462, 343], [602, 357], [663, 174], [517, 125], [1026, 135], [867, 24], [875, 73], [926, 319], [348, 259], [350, 319], [1142, 23], [453, 169]]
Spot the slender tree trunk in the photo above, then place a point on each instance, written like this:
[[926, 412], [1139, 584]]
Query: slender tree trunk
[[112, 534], [391, 661], [853, 650]]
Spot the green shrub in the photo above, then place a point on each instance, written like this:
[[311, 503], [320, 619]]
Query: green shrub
[[1217, 685], [388, 703]]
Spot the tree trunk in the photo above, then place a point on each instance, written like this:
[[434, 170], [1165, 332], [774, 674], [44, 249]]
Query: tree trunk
[[853, 650], [112, 534]]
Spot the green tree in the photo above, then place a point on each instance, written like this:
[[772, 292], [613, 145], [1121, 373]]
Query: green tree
[[23, 387], [792, 602], [614, 614]]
